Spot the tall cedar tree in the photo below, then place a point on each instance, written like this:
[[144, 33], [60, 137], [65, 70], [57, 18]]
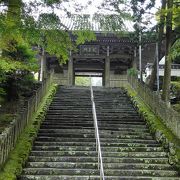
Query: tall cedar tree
[[167, 70]]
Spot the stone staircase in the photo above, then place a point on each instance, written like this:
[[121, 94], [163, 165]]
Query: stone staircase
[[129, 151], [65, 145]]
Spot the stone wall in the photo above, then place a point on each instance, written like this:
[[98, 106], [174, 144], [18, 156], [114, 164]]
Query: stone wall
[[118, 80], [170, 117], [60, 79]]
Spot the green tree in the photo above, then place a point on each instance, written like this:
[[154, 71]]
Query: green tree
[[174, 53], [82, 81], [19, 31], [168, 60], [160, 31]]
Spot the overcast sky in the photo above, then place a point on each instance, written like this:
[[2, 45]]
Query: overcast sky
[[91, 9]]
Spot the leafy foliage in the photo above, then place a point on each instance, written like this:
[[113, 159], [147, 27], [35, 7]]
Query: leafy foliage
[[175, 51], [176, 88], [82, 81], [114, 21], [84, 35], [19, 155], [132, 72]]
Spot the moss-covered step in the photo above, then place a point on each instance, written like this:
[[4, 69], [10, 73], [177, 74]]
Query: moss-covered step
[[59, 171], [62, 159], [132, 153], [41, 143], [60, 139], [141, 172], [63, 153], [140, 177], [66, 165], [64, 148], [57, 177]]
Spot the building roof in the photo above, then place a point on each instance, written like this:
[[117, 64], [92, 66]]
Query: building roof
[[96, 23]]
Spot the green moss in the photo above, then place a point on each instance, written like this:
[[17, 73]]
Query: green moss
[[19, 155], [155, 123], [176, 107], [6, 118]]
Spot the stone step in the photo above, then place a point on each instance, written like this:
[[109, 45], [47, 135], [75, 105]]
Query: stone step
[[56, 177], [61, 165], [108, 117], [106, 140], [112, 134], [119, 116], [103, 144], [63, 148], [74, 98], [59, 121], [125, 135], [70, 112], [67, 108], [146, 160], [87, 117], [63, 153], [100, 123], [111, 172], [62, 124], [67, 127], [143, 166], [71, 103], [54, 139], [115, 110], [139, 172], [119, 128], [94, 153], [84, 165], [67, 131], [134, 154], [140, 177], [93, 148], [58, 171], [72, 159], [136, 126], [57, 128], [68, 117]]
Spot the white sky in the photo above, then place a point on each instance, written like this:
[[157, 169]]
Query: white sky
[[92, 8], [89, 10]]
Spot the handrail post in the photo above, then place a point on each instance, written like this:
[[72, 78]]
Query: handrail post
[[96, 130]]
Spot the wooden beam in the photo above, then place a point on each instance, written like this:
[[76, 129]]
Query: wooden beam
[[70, 71], [111, 56]]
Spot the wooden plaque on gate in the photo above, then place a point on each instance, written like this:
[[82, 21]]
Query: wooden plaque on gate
[[89, 50]]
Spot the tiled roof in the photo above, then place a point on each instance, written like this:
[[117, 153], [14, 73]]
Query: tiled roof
[[101, 23]]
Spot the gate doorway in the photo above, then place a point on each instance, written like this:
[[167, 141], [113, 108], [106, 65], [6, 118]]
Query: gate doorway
[[85, 78]]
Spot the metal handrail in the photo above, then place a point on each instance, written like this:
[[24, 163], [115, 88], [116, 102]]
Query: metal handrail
[[98, 145]]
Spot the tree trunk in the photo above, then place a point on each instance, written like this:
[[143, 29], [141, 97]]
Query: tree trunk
[[160, 38], [167, 70]]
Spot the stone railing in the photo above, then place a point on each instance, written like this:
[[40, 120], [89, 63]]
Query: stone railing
[[170, 117], [10, 135]]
